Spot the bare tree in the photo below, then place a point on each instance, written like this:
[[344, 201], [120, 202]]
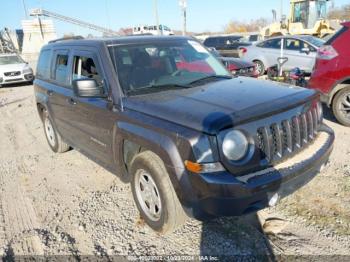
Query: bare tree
[[341, 13], [240, 27]]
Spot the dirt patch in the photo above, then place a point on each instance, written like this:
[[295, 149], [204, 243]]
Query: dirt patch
[[57, 204]]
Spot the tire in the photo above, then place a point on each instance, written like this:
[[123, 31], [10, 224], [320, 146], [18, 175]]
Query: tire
[[150, 178], [52, 136], [341, 101], [260, 67]]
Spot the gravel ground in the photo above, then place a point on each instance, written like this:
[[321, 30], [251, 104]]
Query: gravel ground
[[64, 204]]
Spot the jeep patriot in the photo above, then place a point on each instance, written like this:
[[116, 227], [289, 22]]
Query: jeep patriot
[[165, 115]]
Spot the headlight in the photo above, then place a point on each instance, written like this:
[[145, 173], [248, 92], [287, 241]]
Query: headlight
[[27, 71], [235, 145]]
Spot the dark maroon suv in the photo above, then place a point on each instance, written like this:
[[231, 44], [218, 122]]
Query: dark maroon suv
[[331, 75]]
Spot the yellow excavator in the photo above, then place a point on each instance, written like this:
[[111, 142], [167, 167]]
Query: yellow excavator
[[307, 17]]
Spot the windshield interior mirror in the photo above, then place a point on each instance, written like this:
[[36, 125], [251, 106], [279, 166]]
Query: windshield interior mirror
[[87, 87]]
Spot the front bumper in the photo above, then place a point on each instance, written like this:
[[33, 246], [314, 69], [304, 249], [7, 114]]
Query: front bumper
[[223, 194], [22, 78]]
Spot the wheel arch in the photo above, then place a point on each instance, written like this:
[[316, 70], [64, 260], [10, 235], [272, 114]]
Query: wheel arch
[[131, 139], [337, 87]]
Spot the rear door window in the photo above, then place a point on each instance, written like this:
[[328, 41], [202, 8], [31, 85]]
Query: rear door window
[[61, 71], [272, 43]]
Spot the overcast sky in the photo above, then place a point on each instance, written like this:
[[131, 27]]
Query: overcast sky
[[211, 15]]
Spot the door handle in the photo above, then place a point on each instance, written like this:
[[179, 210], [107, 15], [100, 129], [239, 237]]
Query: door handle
[[49, 92], [71, 101]]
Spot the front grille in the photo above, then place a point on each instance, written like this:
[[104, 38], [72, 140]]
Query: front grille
[[284, 139], [14, 73]]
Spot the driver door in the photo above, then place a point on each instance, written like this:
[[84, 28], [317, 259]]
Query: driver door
[[92, 118]]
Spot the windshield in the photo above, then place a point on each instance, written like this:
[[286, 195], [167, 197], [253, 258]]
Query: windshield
[[159, 66], [313, 40], [11, 59]]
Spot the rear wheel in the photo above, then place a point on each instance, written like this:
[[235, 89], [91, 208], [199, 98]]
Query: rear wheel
[[259, 67], [154, 194], [53, 138], [341, 106]]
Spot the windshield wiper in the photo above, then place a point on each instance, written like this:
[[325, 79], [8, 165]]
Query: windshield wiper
[[170, 86], [151, 88], [210, 77]]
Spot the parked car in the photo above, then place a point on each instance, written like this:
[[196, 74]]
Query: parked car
[[332, 74], [300, 51], [165, 115], [226, 45], [13, 69], [236, 66]]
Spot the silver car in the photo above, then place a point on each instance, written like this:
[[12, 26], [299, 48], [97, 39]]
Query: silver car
[[14, 70], [300, 50]]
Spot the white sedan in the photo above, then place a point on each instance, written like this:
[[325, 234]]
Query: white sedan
[[300, 50]]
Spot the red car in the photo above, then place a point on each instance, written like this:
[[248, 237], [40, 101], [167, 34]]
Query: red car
[[331, 75]]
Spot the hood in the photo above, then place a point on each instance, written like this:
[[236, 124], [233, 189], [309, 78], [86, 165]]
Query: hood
[[237, 62], [13, 67], [219, 105]]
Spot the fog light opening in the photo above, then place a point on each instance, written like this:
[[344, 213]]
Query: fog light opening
[[273, 200]]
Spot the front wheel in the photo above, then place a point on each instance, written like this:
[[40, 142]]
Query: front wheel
[[52, 136], [341, 106], [259, 67], [154, 194]]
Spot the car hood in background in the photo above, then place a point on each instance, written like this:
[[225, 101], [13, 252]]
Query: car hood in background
[[215, 106], [13, 67]]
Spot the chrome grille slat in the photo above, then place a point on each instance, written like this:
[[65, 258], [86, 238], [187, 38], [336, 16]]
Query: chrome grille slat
[[310, 122], [315, 120], [288, 146], [280, 140], [304, 133], [296, 133]]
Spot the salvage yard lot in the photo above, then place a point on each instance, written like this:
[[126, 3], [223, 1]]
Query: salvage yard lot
[[57, 204]]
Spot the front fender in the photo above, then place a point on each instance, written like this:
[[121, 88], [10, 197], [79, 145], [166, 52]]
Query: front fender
[[161, 145]]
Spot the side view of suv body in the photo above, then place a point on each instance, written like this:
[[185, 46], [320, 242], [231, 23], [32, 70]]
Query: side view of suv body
[[165, 115], [331, 75]]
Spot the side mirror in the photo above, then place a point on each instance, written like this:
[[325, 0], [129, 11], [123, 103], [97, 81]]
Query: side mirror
[[306, 50], [87, 87]]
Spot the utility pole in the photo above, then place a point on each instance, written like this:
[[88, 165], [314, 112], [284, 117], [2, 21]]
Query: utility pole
[[156, 15], [281, 10], [183, 5]]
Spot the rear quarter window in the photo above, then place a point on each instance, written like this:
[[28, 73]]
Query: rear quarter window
[[61, 71], [43, 67]]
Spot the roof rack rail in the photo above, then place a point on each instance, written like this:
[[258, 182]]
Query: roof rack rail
[[78, 37]]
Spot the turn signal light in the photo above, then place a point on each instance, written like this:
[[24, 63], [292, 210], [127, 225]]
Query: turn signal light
[[203, 168]]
